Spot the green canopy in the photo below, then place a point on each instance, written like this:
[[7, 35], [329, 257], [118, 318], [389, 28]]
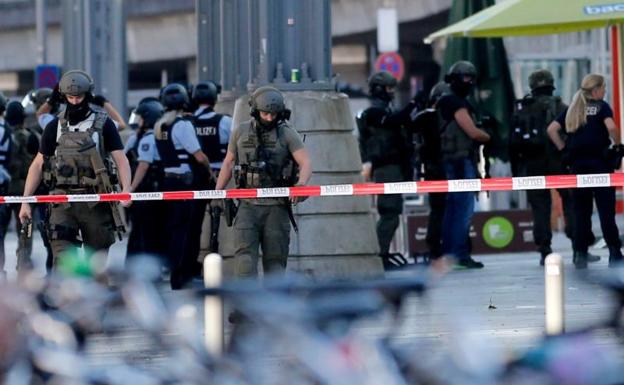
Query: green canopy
[[536, 17]]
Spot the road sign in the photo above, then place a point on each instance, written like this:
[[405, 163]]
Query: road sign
[[47, 75], [391, 62]]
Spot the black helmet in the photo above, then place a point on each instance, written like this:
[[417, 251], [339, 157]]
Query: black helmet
[[377, 84], [541, 78], [14, 114], [150, 110], [438, 91], [75, 82], [174, 96], [39, 96], [3, 102], [461, 77], [206, 92], [462, 68]]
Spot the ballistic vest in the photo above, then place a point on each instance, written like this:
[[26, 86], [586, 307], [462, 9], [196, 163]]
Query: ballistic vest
[[207, 130]]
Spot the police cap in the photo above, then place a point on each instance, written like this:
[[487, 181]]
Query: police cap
[[75, 83]]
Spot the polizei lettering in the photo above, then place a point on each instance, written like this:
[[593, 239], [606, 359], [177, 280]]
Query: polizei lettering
[[146, 196], [275, 192], [464, 185], [339, 189], [210, 194], [400, 188], [595, 180], [529, 183], [206, 131]]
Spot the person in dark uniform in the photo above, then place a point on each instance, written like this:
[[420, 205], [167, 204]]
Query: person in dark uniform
[[386, 156], [213, 132], [459, 139], [590, 130], [177, 145], [71, 147], [533, 154], [146, 217], [426, 126]]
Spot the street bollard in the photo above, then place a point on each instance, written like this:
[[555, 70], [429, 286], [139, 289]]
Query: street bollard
[[554, 282], [213, 305]]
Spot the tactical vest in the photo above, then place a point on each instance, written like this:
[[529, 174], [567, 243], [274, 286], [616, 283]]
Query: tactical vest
[[23, 149], [263, 159], [169, 155], [455, 144], [5, 147], [532, 115], [207, 130], [71, 165], [382, 145]]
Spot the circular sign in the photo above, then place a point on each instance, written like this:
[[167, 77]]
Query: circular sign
[[498, 232], [391, 62]]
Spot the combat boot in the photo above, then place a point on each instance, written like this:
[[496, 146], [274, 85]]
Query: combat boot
[[615, 256], [580, 259]]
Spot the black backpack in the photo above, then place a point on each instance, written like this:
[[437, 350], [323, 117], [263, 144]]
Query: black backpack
[[532, 115]]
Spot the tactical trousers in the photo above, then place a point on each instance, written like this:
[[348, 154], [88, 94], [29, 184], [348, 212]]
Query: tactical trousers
[[95, 224], [541, 206], [265, 226], [197, 220], [389, 207], [437, 205]]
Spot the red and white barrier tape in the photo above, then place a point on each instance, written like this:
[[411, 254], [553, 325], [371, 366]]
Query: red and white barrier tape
[[491, 184]]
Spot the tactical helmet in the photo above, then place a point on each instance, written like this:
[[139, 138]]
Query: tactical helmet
[[541, 78], [39, 96], [206, 92], [174, 96], [462, 68], [378, 82], [267, 99], [440, 89], [150, 110], [14, 114], [75, 83]]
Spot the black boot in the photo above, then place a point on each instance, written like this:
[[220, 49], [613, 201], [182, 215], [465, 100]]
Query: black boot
[[580, 259], [615, 255], [545, 251]]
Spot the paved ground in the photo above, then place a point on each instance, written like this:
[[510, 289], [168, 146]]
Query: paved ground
[[511, 283]]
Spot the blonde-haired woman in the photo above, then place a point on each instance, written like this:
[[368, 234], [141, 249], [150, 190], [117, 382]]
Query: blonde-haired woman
[[590, 130]]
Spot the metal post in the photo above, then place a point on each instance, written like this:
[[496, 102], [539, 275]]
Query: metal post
[[554, 298], [213, 306], [41, 26]]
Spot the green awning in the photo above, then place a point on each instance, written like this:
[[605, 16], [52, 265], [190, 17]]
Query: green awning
[[536, 17]]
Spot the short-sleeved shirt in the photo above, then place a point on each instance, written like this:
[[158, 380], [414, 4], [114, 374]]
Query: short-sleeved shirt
[[243, 145], [44, 119], [147, 148], [112, 141], [184, 137], [591, 140]]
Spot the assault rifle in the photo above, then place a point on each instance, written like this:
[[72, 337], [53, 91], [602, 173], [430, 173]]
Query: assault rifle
[[103, 185]]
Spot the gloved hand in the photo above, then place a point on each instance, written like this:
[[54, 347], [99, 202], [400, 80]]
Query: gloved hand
[[55, 97], [295, 200], [99, 100], [218, 203]]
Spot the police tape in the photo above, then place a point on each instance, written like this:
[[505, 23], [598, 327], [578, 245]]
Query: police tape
[[437, 186]]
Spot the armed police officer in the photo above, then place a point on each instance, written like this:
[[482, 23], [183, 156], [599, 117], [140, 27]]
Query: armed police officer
[[386, 155], [73, 158], [533, 154], [459, 137], [265, 152], [147, 235], [213, 132], [178, 147]]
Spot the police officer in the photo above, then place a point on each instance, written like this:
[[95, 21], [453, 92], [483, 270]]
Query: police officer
[[213, 132], [426, 126], [73, 147], [263, 150], [533, 154], [147, 217], [5, 178], [386, 155], [459, 139], [178, 146], [590, 130]]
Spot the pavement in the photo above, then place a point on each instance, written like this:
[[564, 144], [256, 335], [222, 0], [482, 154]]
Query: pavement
[[504, 303]]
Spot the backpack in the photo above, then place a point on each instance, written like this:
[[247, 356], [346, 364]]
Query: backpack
[[532, 115]]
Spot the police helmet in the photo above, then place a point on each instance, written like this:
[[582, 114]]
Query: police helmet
[[39, 96], [378, 82], [14, 114], [438, 91], [206, 92], [75, 83], [541, 78], [150, 110], [174, 96], [459, 70], [267, 99], [3, 102]]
